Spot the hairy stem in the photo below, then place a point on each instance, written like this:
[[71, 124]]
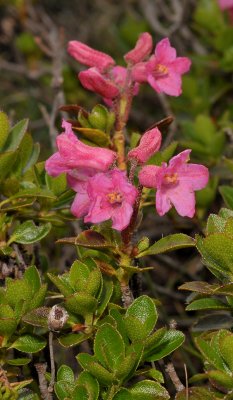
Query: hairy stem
[[52, 363]]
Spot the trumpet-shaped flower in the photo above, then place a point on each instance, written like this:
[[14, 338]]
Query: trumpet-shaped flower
[[106, 196], [96, 82], [175, 183], [163, 70], [76, 158], [150, 143], [141, 50], [88, 56]]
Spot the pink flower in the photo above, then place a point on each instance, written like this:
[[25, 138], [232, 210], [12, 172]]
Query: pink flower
[[150, 143], [225, 4], [141, 50], [88, 56], [163, 70], [106, 196], [76, 158], [175, 184], [93, 80]]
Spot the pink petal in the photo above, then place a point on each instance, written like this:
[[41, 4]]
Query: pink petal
[[181, 65], [169, 84], [88, 56], [97, 213], [149, 144], [180, 159], [121, 216], [183, 199], [92, 80], [194, 176], [164, 53], [139, 72], [162, 202], [81, 204], [55, 165], [142, 49], [148, 176]]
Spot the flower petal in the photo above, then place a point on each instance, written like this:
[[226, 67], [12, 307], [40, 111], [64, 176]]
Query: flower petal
[[121, 216], [181, 65], [183, 199], [162, 202], [81, 204], [164, 52], [148, 176]]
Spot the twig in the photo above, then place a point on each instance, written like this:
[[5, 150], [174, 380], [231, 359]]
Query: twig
[[19, 257], [52, 363], [41, 370], [170, 369], [186, 383], [127, 295]]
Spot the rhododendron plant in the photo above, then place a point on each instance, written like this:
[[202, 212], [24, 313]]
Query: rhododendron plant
[[175, 183]]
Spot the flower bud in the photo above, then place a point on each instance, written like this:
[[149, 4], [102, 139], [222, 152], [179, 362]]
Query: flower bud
[[92, 80], [57, 318], [142, 49], [150, 143], [98, 117], [88, 56]]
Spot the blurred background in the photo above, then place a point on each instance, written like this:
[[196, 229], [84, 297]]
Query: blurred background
[[37, 77]]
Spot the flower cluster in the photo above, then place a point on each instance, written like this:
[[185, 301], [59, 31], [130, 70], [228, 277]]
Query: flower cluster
[[162, 70], [104, 191]]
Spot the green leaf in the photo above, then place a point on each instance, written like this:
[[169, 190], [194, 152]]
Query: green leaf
[[102, 374], [61, 284], [210, 353], [221, 378], [169, 243], [32, 277], [63, 390], [79, 274], [105, 296], [65, 373], [207, 304], [94, 135], [8, 322], [81, 303], [140, 318], [149, 390], [4, 128], [16, 135], [17, 290], [123, 394], [95, 282], [196, 393], [225, 347], [227, 194], [29, 343], [120, 325], [7, 161], [109, 347], [199, 287], [131, 361], [88, 239], [80, 393], [169, 342], [28, 232], [37, 317], [90, 383], [217, 252], [73, 339], [19, 361]]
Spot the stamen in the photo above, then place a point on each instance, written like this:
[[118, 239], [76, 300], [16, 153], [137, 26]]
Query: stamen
[[115, 198], [171, 178]]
